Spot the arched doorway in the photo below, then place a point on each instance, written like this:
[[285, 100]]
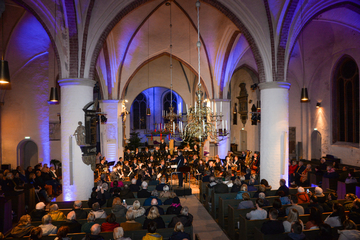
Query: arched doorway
[[315, 145], [27, 153]]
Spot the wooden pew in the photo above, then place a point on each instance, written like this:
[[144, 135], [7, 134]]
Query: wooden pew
[[5, 215], [215, 201]]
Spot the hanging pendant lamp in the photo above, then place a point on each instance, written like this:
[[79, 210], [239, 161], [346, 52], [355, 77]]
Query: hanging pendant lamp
[[54, 97], [148, 112], [304, 95], [4, 72]]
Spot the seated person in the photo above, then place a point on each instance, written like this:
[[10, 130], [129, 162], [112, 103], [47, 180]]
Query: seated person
[[154, 194], [350, 231], [296, 232], [337, 217], [144, 193], [315, 219], [118, 208], [243, 189], [118, 234], [36, 233], [152, 235], [47, 227], [175, 207], [320, 195], [133, 186], [278, 206], [110, 223], [23, 228], [184, 217], [261, 189], [273, 226], [90, 222], [95, 233], [331, 199], [294, 204], [138, 211], [284, 198], [263, 197], [259, 213], [126, 193], [251, 187], [348, 204], [74, 226], [55, 214], [236, 186], [154, 202], [283, 188], [161, 185], [97, 211], [354, 214], [167, 194], [80, 213], [314, 203], [130, 224], [303, 197], [179, 233], [154, 216], [292, 217], [246, 203], [39, 211], [221, 187]]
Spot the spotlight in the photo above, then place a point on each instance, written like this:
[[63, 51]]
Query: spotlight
[[318, 104]]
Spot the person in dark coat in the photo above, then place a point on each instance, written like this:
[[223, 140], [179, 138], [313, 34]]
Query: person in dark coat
[[95, 231], [175, 207], [283, 188], [273, 226], [179, 233], [154, 203], [184, 217], [180, 163], [154, 216], [133, 186], [126, 193], [220, 187], [38, 212], [74, 226], [296, 232], [144, 193], [79, 212], [354, 214]]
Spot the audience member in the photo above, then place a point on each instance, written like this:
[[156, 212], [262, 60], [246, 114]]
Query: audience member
[[130, 224], [314, 203], [292, 217], [95, 231], [74, 226], [221, 187], [154, 202], [154, 195], [294, 205], [236, 186], [246, 203], [320, 195], [79, 212], [284, 198], [95, 198], [97, 211], [62, 233], [126, 192], [325, 232], [259, 213], [110, 223], [137, 209], [55, 214], [243, 189], [118, 208], [348, 204], [38, 213], [263, 197], [315, 219], [90, 222], [167, 194], [251, 187], [154, 216], [350, 231], [23, 228], [332, 199], [278, 206], [115, 194], [162, 184], [273, 226], [179, 233], [133, 186], [283, 188], [337, 217], [119, 234], [261, 189], [36, 233], [350, 179], [46, 226], [296, 232], [302, 196], [144, 193], [266, 184], [175, 207], [184, 217], [354, 214], [152, 235]]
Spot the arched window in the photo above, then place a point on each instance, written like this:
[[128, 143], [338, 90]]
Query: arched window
[[167, 102], [346, 102], [139, 112]]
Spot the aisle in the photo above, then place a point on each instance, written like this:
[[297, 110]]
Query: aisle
[[204, 225]]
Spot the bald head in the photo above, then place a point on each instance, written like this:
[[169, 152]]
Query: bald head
[[154, 202], [95, 229]]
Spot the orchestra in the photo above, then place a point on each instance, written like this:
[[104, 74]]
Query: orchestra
[[157, 163]]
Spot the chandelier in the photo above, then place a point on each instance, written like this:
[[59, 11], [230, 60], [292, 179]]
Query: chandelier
[[171, 119], [203, 120]]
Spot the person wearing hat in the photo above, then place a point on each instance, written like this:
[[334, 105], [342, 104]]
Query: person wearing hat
[[302, 196], [175, 207], [39, 211]]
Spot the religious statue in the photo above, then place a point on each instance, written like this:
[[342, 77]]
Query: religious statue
[[80, 134]]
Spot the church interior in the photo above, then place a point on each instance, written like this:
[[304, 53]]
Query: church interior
[[283, 75]]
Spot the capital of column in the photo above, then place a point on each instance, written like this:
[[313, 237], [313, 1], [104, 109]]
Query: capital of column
[[271, 85], [76, 81], [109, 101]]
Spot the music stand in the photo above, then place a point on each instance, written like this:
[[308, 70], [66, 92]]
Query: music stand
[[186, 170]]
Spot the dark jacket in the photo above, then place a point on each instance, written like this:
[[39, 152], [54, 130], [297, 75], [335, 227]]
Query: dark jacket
[[80, 213], [354, 216], [179, 236], [235, 188], [119, 210], [173, 210], [144, 193], [185, 220], [221, 188], [159, 222], [126, 194], [134, 188], [284, 188], [74, 226], [36, 215], [294, 236], [93, 237], [272, 227], [161, 210]]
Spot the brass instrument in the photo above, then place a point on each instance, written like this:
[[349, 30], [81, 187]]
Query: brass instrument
[[248, 159]]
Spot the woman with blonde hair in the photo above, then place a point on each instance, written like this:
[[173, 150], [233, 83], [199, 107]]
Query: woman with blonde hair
[[118, 234], [179, 233], [292, 217], [137, 210], [23, 228], [154, 216]]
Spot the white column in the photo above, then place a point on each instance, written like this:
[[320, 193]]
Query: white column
[[109, 131], [274, 150], [224, 144], [78, 178]]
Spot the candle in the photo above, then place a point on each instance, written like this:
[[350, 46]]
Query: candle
[[195, 106], [220, 107], [173, 127], [222, 123], [187, 109], [226, 125]]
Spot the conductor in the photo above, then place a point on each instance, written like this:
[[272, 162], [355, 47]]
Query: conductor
[[180, 163]]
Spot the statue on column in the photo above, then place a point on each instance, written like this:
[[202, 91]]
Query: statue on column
[[80, 134]]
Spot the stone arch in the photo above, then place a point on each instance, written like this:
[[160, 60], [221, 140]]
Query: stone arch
[[27, 153]]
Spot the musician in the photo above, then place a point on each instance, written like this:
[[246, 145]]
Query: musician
[[168, 159], [157, 154], [120, 162], [135, 166], [196, 150], [255, 163], [180, 163], [242, 156], [127, 155], [161, 169], [200, 171], [98, 158], [126, 169], [137, 153], [114, 175], [195, 161], [151, 160], [175, 152], [162, 145], [104, 165], [146, 154], [166, 152], [228, 163], [237, 162], [150, 170], [206, 162], [218, 164], [211, 168]]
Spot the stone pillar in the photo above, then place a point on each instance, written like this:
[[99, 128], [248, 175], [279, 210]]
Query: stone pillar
[[274, 150], [224, 144], [109, 131], [78, 178]]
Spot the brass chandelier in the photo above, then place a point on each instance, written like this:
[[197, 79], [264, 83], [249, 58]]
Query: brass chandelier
[[171, 119], [203, 120]]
